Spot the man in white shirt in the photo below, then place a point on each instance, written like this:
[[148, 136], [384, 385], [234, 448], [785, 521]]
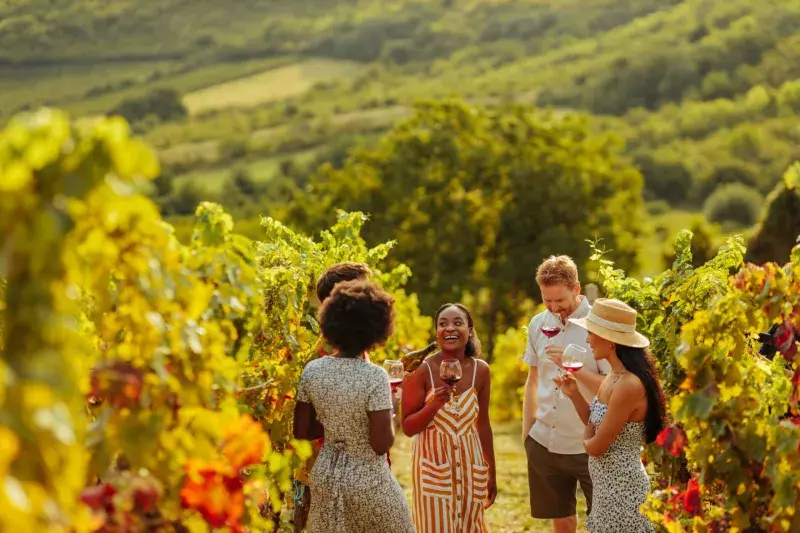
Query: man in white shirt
[[551, 427]]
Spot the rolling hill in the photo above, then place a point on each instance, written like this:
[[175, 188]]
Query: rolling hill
[[701, 92]]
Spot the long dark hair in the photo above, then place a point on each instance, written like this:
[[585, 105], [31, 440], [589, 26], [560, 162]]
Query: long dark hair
[[473, 348], [639, 362]]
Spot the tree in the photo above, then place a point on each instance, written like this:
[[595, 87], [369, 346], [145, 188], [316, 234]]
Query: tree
[[734, 202], [244, 182], [165, 104], [477, 197], [665, 180], [780, 227], [723, 175]]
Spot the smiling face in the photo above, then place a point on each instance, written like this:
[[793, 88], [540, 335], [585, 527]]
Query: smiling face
[[560, 299], [452, 329]]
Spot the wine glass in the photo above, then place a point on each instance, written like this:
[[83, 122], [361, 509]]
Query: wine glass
[[450, 372], [573, 357], [395, 369], [571, 361], [550, 329]]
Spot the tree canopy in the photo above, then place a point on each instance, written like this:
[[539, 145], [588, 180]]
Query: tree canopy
[[477, 197]]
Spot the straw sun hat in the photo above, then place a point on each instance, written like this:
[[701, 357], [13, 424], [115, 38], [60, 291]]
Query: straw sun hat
[[615, 321]]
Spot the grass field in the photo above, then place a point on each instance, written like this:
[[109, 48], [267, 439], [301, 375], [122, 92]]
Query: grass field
[[184, 82], [66, 86], [262, 170], [510, 512], [274, 84], [61, 84]]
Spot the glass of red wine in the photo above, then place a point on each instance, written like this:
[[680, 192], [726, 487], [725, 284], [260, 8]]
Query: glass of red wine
[[450, 372], [550, 330], [572, 359], [395, 370]]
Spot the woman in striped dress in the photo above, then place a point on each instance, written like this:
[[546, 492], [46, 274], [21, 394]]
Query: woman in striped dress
[[453, 454]]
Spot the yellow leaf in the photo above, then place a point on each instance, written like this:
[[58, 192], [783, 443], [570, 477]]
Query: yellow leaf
[[727, 393], [17, 175], [673, 526]]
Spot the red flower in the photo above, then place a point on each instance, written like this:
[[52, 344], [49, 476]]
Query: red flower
[[691, 498], [673, 439]]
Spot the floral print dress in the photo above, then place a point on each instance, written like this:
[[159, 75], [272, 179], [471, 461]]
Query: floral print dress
[[620, 482], [353, 488]]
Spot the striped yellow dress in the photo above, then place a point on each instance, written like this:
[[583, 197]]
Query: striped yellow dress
[[450, 476]]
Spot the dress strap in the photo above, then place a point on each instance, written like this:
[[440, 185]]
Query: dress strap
[[474, 371], [430, 372]]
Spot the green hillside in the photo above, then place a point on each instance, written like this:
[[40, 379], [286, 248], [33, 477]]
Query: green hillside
[[703, 93]]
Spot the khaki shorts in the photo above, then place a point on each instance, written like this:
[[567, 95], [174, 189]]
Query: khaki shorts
[[553, 481]]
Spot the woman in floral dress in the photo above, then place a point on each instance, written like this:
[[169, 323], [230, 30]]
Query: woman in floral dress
[[453, 453], [629, 409], [348, 400]]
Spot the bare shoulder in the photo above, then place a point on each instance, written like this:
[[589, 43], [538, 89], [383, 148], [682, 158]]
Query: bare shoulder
[[483, 373], [628, 388], [420, 375]]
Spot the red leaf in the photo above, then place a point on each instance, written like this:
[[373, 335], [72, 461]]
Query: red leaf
[[673, 439], [213, 491], [99, 497], [691, 499]]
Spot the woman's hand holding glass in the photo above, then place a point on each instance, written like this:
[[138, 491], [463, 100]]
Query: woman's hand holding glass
[[567, 384]]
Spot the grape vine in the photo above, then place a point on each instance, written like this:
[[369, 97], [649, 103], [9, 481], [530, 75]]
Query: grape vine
[[148, 384], [731, 459]]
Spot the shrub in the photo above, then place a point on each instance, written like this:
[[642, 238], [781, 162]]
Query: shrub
[[778, 230], [509, 373], [166, 104], [722, 175], [734, 202], [664, 180], [658, 207]]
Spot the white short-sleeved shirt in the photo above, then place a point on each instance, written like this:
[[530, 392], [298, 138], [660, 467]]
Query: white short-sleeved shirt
[[558, 426]]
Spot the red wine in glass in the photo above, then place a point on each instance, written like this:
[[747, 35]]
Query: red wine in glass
[[395, 382], [450, 373], [551, 331], [573, 366]]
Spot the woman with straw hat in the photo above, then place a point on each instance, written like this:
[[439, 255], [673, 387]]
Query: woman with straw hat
[[628, 408]]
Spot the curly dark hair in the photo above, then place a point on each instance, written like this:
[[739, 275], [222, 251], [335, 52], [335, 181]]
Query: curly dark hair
[[357, 316], [639, 362], [473, 348], [346, 271]]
